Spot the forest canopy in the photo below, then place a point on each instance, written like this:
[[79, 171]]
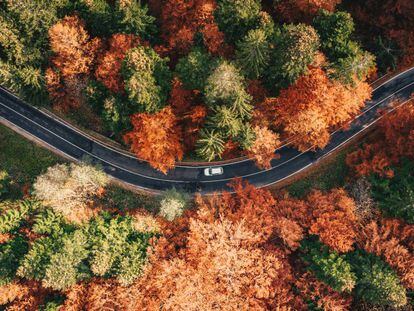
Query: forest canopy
[[227, 73]]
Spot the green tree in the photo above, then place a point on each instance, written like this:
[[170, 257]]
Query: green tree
[[116, 248], [105, 18], [225, 86], [115, 114], [253, 53], [266, 24], [225, 120], [30, 21], [147, 79], [10, 254], [15, 214], [347, 57], [49, 222], [328, 266], [98, 14], [210, 145], [173, 203], [66, 266], [33, 263], [26, 81], [395, 196], [24, 46], [236, 17], [246, 136], [4, 183], [376, 283], [358, 65], [133, 18], [194, 69], [387, 53], [295, 49], [335, 30]]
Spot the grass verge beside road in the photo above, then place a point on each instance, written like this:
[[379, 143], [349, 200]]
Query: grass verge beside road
[[24, 161]]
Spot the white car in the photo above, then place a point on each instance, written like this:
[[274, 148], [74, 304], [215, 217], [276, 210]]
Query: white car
[[213, 171]]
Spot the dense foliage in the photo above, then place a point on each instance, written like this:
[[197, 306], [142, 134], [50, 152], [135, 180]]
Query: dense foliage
[[207, 68], [251, 249]]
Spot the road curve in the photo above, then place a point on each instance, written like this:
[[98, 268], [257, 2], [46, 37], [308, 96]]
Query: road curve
[[133, 172]]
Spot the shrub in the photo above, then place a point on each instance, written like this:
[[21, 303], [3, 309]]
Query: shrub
[[68, 188], [10, 254], [172, 204]]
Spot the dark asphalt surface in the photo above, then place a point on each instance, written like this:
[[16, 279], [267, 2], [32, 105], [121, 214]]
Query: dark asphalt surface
[[138, 173]]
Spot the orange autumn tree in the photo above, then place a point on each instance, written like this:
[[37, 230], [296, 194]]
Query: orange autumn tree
[[308, 109], [74, 55], [74, 50], [222, 267], [110, 62], [333, 219], [156, 138], [264, 146], [395, 140], [330, 215]]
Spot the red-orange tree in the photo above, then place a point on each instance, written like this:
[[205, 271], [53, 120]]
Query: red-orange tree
[[394, 141], [74, 55], [308, 109], [110, 62], [394, 19], [191, 114], [297, 10], [181, 20], [333, 219], [392, 240], [156, 138]]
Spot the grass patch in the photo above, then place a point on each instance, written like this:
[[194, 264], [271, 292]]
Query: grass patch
[[22, 159], [332, 175]]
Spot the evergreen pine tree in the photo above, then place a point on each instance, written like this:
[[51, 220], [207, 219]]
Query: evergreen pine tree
[[377, 283], [328, 266], [210, 145], [253, 53]]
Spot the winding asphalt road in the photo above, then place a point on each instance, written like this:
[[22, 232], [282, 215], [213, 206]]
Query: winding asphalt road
[[129, 170]]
